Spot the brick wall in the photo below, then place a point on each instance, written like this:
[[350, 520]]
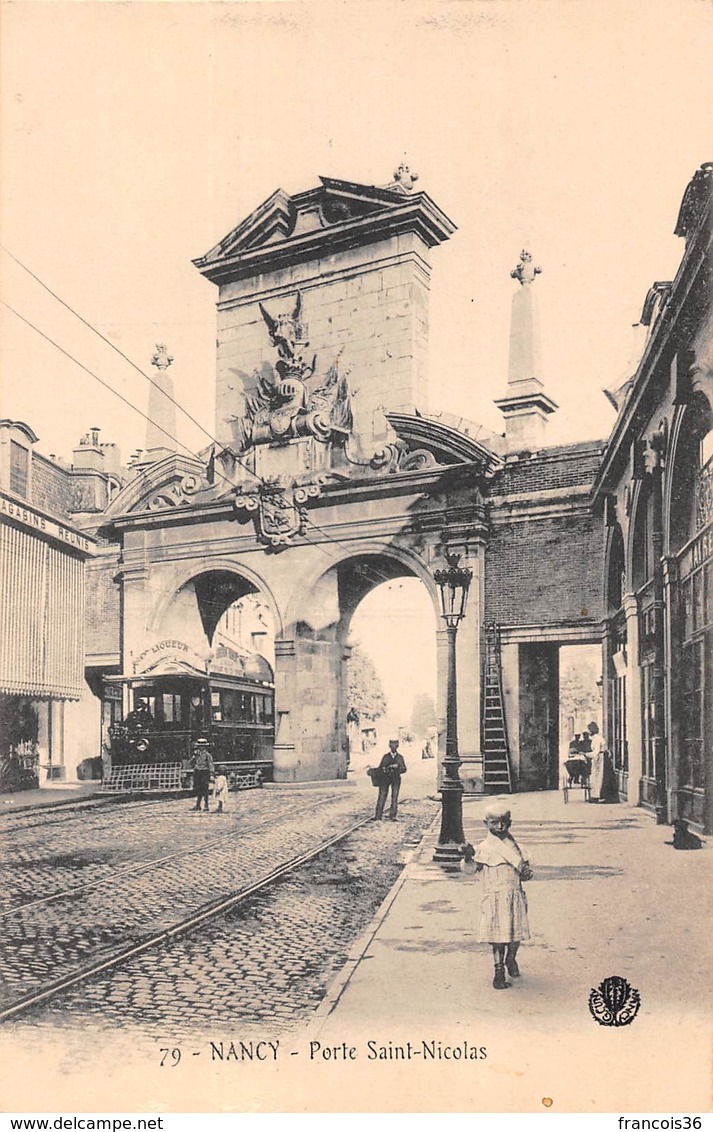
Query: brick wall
[[51, 486], [543, 571], [102, 610], [553, 468], [546, 569]]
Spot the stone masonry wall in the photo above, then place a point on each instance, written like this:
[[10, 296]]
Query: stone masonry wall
[[368, 305]]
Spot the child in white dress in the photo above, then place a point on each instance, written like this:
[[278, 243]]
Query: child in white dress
[[502, 866], [220, 789]]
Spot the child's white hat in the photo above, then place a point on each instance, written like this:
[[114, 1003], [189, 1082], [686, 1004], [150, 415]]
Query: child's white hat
[[497, 809]]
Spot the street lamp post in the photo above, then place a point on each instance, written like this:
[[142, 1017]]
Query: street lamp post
[[453, 585]]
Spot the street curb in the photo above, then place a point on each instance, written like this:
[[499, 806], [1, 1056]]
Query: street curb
[[97, 798], [49, 805], [318, 784], [340, 981]]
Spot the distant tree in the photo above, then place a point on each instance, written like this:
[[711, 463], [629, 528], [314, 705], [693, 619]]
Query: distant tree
[[423, 714], [579, 694], [365, 693]]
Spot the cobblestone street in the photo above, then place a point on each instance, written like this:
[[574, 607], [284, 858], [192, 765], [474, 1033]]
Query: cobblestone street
[[267, 961]]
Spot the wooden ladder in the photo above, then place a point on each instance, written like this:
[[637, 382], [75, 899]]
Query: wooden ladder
[[497, 775]]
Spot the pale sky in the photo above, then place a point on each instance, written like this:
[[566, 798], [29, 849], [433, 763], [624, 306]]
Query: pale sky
[[136, 135]]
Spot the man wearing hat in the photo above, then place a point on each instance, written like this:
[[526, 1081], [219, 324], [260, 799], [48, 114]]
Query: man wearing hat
[[389, 772], [203, 771]]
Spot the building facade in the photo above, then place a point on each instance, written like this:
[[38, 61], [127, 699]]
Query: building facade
[[43, 564], [654, 495]]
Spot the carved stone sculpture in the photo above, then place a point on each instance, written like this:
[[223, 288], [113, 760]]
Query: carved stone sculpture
[[291, 399], [525, 271]]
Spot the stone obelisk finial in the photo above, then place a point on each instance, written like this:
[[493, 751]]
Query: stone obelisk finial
[[525, 271], [526, 406], [161, 427]]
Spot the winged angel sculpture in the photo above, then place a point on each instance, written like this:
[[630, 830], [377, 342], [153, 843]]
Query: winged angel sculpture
[[289, 399]]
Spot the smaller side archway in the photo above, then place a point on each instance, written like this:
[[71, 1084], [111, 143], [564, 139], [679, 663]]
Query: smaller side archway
[[214, 587]]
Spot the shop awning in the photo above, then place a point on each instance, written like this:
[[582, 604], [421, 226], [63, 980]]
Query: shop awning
[[42, 642]]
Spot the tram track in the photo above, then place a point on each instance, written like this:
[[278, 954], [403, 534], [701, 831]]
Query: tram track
[[20, 821], [209, 911], [144, 866]]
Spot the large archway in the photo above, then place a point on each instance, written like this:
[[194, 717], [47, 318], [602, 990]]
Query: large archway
[[394, 630], [312, 702]]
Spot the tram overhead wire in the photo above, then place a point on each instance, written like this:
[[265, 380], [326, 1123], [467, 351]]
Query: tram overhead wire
[[375, 574]]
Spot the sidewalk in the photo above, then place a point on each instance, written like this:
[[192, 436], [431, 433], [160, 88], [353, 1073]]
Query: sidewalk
[[59, 793], [609, 897]]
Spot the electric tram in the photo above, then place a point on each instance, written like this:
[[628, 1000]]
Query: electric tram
[[173, 703]]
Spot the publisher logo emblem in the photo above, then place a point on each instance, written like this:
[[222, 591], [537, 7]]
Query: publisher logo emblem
[[614, 1002]]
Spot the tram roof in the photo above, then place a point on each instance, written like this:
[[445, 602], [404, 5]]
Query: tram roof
[[219, 679]]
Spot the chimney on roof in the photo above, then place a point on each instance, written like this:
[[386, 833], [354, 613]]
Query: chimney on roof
[[88, 454]]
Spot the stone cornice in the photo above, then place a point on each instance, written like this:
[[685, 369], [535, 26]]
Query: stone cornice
[[443, 440], [403, 213], [526, 401], [540, 505], [502, 518], [559, 631], [552, 494], [336, 493]]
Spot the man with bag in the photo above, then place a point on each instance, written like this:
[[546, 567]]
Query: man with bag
[[387, 776]]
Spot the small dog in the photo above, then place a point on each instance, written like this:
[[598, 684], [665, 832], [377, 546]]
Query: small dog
[[468, 864], [683, 838]]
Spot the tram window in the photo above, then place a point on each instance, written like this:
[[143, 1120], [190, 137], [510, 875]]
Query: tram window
[[216, 709], [145, 698], [171, 708], [227, 700]]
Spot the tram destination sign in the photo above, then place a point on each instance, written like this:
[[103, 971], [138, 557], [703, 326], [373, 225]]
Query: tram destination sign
[[168, 650]]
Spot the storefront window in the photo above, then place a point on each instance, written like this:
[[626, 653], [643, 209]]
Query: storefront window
[[620, 746], [692, 716], [648, 712], [697, 617]]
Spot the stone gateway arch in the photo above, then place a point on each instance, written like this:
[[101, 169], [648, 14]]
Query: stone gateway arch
[[332, 473]]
